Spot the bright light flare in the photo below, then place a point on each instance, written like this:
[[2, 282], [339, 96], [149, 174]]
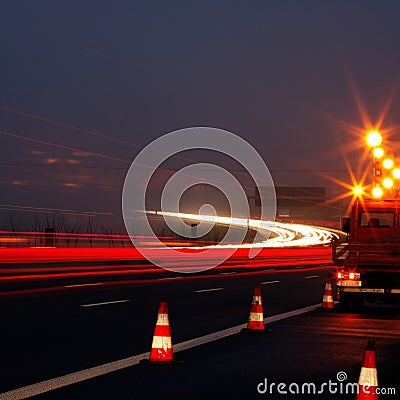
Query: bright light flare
[[374, 139], [377, 192], [358, 191], [378, 152], [387, 183], [388, 163], [396, 173]]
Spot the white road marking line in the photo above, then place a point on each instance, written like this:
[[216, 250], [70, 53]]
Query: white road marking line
[[75, 377], [209, 290], [104, 303], [311, 276], [85, 284], [268, 282]]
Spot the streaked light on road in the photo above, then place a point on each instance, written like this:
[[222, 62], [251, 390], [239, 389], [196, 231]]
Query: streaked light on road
[[282, 234]]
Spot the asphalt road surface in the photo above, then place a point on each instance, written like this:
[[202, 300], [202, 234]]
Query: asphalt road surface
[[87, 325]]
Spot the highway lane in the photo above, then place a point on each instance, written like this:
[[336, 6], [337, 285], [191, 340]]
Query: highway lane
[[89, 323], [312, 349], [61, 332]]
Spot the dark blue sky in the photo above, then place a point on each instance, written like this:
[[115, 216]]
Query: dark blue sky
[[274, 72]]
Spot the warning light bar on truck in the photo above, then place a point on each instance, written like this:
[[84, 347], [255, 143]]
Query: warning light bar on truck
[[386, 171]]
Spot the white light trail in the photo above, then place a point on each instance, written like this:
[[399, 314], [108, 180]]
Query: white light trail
[[281, 234]]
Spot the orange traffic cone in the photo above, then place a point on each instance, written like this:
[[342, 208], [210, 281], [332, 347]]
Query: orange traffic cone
[[368, 381], [327, 300], [161, 348], [256, 317]]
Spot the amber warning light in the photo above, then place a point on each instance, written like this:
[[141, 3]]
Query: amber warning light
[[386, 174], [374, 139]]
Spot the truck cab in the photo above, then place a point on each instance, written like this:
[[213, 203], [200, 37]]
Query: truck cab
[[369, 261]]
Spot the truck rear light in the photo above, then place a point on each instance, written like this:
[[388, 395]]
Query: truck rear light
[[348, 275]]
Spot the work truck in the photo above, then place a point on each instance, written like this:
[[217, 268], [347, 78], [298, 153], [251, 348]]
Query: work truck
[[368, 262]]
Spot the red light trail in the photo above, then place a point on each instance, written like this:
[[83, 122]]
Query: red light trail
[[287, 260]]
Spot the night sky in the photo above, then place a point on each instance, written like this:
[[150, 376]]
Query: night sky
[[108, 77]]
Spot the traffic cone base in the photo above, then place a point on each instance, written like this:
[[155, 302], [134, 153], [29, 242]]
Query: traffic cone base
[[327, 300], [172, 362], [247, 330]]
